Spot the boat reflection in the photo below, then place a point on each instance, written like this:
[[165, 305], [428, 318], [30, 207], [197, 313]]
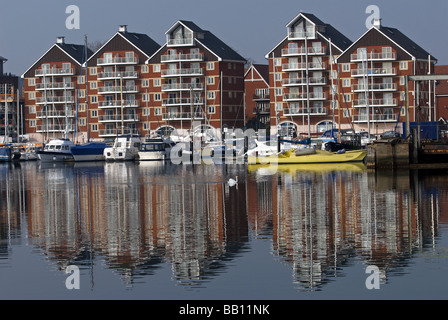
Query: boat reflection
[[137, 217]]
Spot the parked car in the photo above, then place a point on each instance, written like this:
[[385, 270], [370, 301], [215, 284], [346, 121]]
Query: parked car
[[390, 135]]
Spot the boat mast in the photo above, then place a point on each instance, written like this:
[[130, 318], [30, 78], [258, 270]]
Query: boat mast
[[307, 84], [87, 87], [331, 86]]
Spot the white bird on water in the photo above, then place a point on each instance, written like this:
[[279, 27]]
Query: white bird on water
[[232, 182]]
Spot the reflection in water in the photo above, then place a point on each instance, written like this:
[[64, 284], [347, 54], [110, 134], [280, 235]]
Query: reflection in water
[[136, 217]]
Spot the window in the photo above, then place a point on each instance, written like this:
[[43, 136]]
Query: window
[[145, 69], [277, 62], [210, 66], [93, 85], [146, 112], [32, 95], [157, 97], [277, 77], [94, 127], [82, 93], [94, 113], [156, 82], [347, 97], [211, 95], [31, 82], [278, 106], [82, 107], [81, 80], [345, 67], [157, 111], [346, 83], [32, 123], [403, 65], [210, 80], [211, 109], [402, 81], [93, 99], [278, 92], [32, 109], [145, 97], [145, 83], [156, 68], [82, 122], [93, 71], [347, 113]]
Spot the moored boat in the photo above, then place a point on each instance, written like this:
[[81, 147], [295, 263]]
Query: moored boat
[[155, 149], [57, 150], [90, 151], [125, 148]]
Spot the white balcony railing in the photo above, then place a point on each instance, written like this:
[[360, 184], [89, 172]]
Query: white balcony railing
[[117, 60], [304, 111], [183, 72], [303, 81], [302, 35], [118, 75], [304, 96], [182, 101], [183, 116], [55, 100], [374, 72], [54, 128], [55, 114], [373, 56], [375, 118], [182, 57], [118, 89], [55, 72], [375, 87], [303, 51], [303, 66], [182, 86], [117, 118], [117, 104], [181, 41], [55, 86], [375, 102]]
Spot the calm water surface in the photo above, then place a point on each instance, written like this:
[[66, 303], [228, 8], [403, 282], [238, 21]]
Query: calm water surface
[[161, 231]]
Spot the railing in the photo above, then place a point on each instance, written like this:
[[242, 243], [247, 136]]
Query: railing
[[55, 128], [115, 132], [117, 60], [116, 118], [55, 114], [183, 72], [302, 81], [265, 96], [182, 86], [303, 51], [375, 102], [376, 118], [304, 96], [182, 101], [374, 72], [117, 103], [55, 72], [303, 66], [51, 100], [373, 56], [180, 41], [182, 116], [302, 35], [118, 75], [55, 86], [263, 109], [375, 87], [304, 111], [183, 57], [118, 89]]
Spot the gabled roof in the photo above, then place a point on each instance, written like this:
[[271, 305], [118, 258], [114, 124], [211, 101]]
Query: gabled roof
[[327, 32], [209, 41], [75, 52], [397, 38], [261, 69]]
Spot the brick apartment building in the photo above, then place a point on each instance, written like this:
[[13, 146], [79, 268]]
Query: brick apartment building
[[257, 98], [372, 81], [302, 74]]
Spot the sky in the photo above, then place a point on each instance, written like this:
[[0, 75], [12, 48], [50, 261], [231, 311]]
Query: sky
[[28, 28]]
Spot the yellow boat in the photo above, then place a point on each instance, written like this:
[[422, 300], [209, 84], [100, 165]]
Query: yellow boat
[[310, 156], [292, 169]]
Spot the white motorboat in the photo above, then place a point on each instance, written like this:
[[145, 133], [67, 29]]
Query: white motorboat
[[155, 149], [125, 148], [57, 150]]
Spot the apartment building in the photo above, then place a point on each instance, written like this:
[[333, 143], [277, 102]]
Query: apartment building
[[52, 86], [441, 95], [372, 81], [257, 97], [118, 85], [303, 76], [197, 83]]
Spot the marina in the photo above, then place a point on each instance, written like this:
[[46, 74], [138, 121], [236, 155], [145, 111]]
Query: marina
[[154, 230]]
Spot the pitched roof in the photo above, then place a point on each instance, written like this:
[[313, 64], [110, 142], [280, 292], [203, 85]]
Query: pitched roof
[[76, 51], [263, 70], [142, 42], [405, 42]]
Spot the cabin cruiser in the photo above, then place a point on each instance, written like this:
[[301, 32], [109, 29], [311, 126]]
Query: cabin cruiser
[[57, 150], [90, 151], [155, 149], [125, 148]]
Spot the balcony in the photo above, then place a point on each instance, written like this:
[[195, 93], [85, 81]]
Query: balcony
[[55, 114], [301, 35], [261, 97], [104, 133], [117, 61], [183, 72], [373, 56], [302, 51], [117, 104], [117, 75], [375, 103], [313, 111], [55, 86], [376, 118], [55, 128], [182, 86], [55, 72], [375, 87], [381, 72], [303, 66], [55, 100], [187, 41], [319, 81], [264, 109], [182, 101], [117, 118], [182, 57], [183, 116], [304, 96], [118, 89]]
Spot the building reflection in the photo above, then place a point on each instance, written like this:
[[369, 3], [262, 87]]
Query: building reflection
[[139, 217]]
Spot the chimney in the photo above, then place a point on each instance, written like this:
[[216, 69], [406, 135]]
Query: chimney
[[123, 28], [60, 40], [377, 23], [2, 61]]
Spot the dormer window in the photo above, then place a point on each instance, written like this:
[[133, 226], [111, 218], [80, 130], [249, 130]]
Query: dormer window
[[302, 29]]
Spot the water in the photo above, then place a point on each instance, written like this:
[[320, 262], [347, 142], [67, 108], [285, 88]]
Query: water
[[162, 231]]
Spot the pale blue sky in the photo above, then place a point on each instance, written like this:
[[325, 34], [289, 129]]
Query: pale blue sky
[[252, 27]]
